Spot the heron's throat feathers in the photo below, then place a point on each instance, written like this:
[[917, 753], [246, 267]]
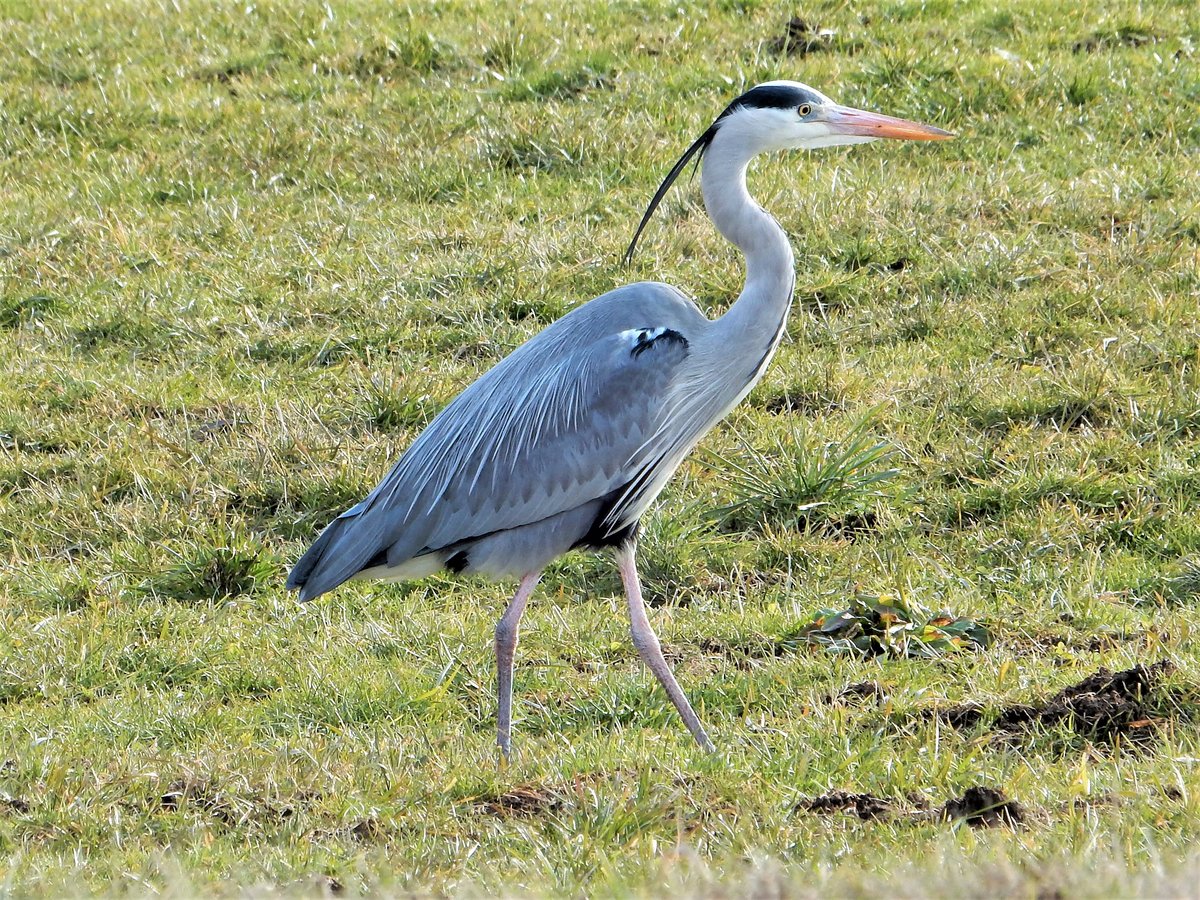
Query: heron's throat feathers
[[736, 214]]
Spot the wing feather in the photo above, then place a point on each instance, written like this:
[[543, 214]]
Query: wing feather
[[573, 432]]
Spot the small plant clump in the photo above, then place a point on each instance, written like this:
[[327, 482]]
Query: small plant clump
[[801, 482], [883, 625]]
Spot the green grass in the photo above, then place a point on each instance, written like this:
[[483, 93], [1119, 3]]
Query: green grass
[[248, 250]]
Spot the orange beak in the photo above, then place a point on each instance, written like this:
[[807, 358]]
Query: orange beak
[[857, 122]]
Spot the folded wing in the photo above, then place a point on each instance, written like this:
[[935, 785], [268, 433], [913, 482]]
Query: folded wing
[[557, 424]]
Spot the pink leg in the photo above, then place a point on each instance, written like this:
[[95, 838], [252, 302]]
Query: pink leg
[[507, 632], [648, 647]]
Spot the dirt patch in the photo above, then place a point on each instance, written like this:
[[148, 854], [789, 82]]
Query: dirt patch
[[1095, 801], [962, 715], [368, 831], [212, 429], [9, 803], [744, 655], [204, 796], [1126, 36], [314, 885], [859, 693], [979, 807], [802, 38], [865, 806], [803, 402], [1107, 707], [524, 801], [228, 807], [984, 807]]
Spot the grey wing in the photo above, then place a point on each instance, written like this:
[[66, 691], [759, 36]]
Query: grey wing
[[547, 430]]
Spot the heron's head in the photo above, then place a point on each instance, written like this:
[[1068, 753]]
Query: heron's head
[[788, 115]]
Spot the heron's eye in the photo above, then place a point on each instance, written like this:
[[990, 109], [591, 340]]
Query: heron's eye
[[804, 110]]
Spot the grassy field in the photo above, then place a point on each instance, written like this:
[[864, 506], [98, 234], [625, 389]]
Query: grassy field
[[248, 250]]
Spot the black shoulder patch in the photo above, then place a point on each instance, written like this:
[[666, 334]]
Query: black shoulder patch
[[456, 562], [599, 535], [651, 337], [379, 558]]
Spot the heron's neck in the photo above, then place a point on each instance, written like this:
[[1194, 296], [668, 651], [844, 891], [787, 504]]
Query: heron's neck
[[760, 312]]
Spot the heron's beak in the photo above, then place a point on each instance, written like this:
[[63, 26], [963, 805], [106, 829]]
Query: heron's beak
[[859, 123]]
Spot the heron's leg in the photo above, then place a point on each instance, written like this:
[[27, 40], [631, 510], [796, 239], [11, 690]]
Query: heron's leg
[[507, 631], [648, 647]]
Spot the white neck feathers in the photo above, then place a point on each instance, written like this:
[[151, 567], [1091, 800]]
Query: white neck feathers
[[764, 301]]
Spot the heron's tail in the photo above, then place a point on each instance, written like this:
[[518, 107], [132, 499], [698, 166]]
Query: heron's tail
[[335, 556]]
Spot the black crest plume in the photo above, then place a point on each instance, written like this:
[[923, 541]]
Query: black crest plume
[[697, 149], [774, 96]]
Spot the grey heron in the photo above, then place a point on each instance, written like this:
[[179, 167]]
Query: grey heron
[[567, 441]]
